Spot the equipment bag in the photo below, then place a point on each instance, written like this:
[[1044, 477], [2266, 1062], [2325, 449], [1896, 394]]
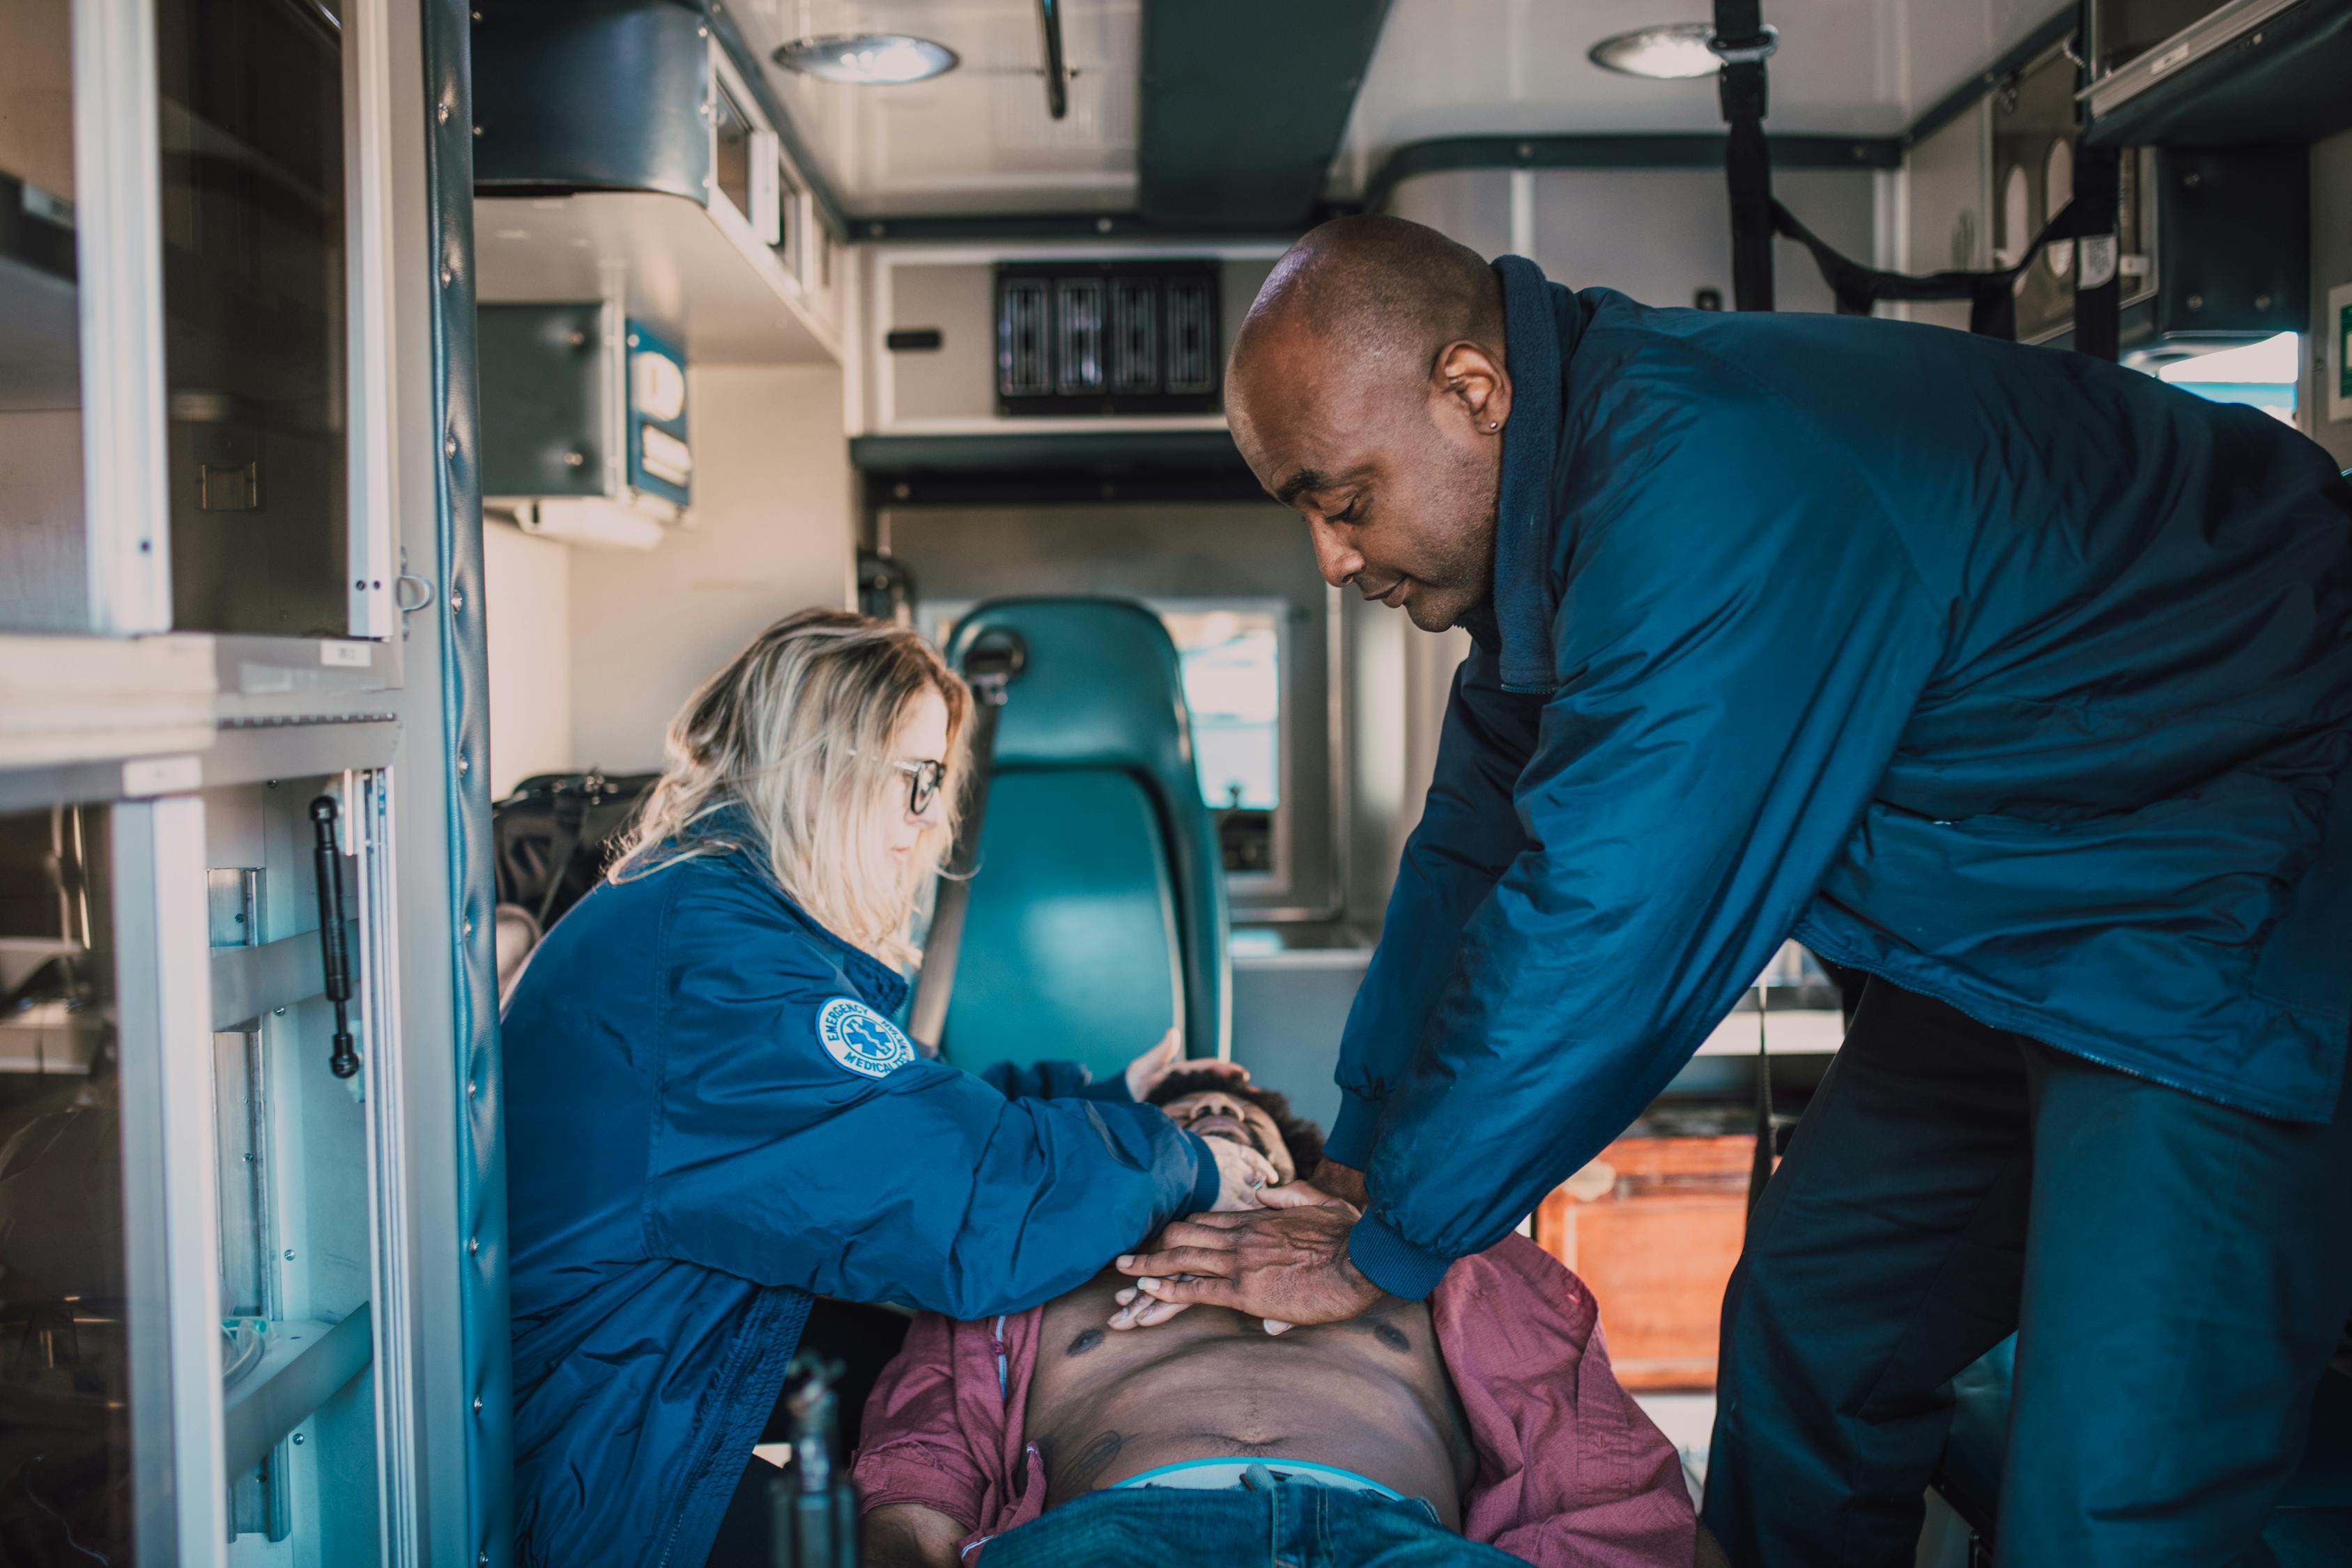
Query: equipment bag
[[553, 838]]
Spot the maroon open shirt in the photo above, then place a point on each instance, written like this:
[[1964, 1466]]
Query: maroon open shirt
[[1572, 1474]]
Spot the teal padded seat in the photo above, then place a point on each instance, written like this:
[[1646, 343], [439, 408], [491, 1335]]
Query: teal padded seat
[[1097, 918], [2311, 1526]]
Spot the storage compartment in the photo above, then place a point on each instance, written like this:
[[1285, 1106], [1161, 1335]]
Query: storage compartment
[[65, 1330], [2190, 73], [255, 315], [291, 1150], [44, 555], [2034, 136], [622, 153], [583, 423]]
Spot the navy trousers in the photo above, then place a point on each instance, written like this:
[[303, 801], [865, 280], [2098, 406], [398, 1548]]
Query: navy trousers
[[2177, 1274]]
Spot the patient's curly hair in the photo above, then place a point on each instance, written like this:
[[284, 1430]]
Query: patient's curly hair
[[1300, 1136]]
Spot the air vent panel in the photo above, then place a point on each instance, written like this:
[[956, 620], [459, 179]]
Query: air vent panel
[[1107, 337]]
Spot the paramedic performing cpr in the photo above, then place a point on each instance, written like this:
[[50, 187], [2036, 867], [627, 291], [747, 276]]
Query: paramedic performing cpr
[[712, 1118], [2018, 681]]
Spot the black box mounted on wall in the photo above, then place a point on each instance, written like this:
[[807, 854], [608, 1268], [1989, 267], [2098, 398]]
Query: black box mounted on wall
[[2234, 242], [1107, 337]]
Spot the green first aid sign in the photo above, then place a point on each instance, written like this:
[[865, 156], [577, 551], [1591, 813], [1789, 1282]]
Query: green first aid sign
[[2344, 350], [2339, 391]]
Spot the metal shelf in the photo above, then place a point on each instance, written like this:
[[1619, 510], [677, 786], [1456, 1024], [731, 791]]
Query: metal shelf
[[303, 1365], [210, 758]]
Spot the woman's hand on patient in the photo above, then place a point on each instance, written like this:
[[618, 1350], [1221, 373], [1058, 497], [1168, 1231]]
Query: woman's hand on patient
[[1145, 1073], [1244, 1175]]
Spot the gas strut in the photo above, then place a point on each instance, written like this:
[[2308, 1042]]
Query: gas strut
[[333, 939]]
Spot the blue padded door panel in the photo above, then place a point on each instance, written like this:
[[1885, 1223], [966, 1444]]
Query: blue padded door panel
[[1070, 947]]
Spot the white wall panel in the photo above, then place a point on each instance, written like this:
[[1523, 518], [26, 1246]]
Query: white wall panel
[[773, 531]]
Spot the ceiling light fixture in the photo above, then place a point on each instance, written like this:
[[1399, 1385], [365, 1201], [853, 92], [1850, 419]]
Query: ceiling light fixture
[[868, 59], [1668, 53]]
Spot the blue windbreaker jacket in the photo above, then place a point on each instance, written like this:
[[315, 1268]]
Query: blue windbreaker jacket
[[2018, 678], [709, 1119]]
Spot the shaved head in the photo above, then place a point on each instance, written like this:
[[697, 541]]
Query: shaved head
[[1368, 389]]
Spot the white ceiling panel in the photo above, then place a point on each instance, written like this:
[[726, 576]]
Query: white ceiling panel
[[1846, 68], [978, 139]]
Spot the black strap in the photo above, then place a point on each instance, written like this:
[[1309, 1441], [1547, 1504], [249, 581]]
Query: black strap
[[1741, 39], [1991, 296], [2098, 281], [569, 811], [991, 665]]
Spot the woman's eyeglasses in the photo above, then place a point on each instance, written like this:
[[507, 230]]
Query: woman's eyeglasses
[[923, 781]]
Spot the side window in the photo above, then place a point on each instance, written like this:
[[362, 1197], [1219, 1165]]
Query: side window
[[1232, 682], [1231, 654]]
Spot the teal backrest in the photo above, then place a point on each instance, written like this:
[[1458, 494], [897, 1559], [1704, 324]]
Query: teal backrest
[[1097, 915]]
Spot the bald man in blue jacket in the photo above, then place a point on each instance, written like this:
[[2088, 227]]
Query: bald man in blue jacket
[[2019, 682]]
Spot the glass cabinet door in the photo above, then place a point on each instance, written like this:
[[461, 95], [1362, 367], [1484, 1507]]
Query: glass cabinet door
[[255, 319], [44, 554], [64, 1337]]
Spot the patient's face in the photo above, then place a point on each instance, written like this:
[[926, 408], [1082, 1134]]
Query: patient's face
[[1214, 1113]]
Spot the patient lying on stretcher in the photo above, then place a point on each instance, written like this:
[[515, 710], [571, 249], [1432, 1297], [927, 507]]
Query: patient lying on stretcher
[[1482, 1421]]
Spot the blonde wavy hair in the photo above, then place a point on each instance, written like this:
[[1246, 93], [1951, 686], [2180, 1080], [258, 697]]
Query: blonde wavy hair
[[796, 729]]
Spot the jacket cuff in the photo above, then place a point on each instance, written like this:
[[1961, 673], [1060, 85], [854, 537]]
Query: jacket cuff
[[1391, 1262], [1350, 1141], [1204, 1175], [1111, 1090]]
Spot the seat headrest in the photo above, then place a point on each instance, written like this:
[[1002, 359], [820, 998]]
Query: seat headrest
[[1101, 687]]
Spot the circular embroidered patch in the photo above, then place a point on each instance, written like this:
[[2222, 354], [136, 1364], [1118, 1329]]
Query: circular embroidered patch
[[861, 1039]]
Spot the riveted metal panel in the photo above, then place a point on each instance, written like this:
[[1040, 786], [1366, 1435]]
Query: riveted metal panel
[[465, 699]]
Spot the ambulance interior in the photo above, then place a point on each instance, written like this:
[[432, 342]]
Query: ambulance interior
[[404, 405]]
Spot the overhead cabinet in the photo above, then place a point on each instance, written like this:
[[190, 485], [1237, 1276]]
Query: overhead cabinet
[[622, 153], [2248, 73]]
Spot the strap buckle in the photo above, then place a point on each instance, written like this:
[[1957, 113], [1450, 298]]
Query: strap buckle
[[1752, 52]]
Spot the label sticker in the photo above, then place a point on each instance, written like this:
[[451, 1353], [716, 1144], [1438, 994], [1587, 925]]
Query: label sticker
[[338, 655], [861, 1039]]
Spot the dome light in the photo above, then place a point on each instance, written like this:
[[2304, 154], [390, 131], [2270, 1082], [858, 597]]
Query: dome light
[[1671, 52], [868, 59]]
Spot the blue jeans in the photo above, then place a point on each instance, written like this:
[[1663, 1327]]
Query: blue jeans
[[1288, 1524]]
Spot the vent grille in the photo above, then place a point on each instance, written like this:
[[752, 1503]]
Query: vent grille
[[1023, 368], [1078, 323], [1107, 337], [1134, 335], [1192, 335]]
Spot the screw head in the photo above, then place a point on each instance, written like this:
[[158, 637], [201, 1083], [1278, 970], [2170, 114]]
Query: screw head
[[298, 1439], [2197, 301], [290, 1255]]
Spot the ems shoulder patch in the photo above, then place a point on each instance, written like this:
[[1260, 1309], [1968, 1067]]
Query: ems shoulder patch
[[861, 1039]]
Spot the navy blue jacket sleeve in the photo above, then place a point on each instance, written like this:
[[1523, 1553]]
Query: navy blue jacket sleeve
[[1054, 1081], [1468, 835], [1737, 662], [772, 1160]]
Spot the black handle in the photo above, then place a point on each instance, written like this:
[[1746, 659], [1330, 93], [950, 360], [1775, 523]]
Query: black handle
[[334, 941]]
